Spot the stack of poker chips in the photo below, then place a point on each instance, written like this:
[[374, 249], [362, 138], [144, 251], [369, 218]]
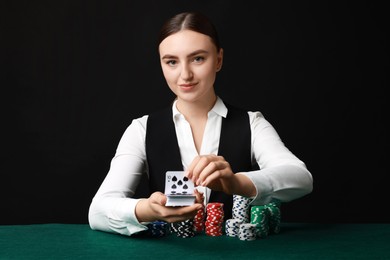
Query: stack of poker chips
[[274, 217], [266, 219], [183, 229], [158, 229], [232, 227], [247, 232], [199, 220], [259, 217], [214, 219], [240, 210], [240, 215], [247, 222]]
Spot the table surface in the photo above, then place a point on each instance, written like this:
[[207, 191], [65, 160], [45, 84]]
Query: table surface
[[295, 241]]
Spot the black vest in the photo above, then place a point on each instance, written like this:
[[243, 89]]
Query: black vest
[[163, 154]]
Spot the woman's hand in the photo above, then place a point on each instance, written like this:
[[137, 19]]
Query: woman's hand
[[212, 171], [154, 208]]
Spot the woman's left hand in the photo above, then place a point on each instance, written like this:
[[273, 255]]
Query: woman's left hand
[[211, 171]]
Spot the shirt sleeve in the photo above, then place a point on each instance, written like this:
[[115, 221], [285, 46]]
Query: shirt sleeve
[[112, 209], [282, 175]]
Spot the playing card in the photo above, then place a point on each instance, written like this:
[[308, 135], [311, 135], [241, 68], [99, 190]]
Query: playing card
[[178, 189]]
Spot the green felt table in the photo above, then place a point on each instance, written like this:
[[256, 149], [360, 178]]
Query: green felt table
[[295, 241]]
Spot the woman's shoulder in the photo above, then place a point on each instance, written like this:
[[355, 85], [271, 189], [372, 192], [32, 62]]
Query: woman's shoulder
[[253, 114], [138, 123]]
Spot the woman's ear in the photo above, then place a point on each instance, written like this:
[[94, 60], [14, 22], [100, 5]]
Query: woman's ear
[[219, 59]]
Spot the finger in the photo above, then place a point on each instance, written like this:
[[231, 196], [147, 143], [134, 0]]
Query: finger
[[191, 167], [193, 210], [171, 214], [213, 177], [174, 214], [202, 163], [199, 196], [223, 177], [158, 198], [210, 169]]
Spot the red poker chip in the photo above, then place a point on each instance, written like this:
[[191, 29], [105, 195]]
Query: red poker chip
[[214, 213], [214, 204], [213, 229], [215, 217], [214, 234]]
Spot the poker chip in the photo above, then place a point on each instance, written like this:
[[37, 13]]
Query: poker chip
[[183, 229], [274, 217], [265, 218], [214, 219], [158, 229], [241, 208], [199, 220], [259, 217], [247, 232], [232, 227], [247, 223]]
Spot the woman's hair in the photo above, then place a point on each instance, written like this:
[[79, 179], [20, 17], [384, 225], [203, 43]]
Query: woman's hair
[[193, 21]]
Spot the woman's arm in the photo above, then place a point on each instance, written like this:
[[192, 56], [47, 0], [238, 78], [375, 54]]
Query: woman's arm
[[112, 208], [282, 175]]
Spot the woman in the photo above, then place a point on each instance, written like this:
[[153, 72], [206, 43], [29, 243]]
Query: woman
[[218, 145]]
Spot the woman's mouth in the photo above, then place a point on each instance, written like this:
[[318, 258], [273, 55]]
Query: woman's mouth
[[187, 87]]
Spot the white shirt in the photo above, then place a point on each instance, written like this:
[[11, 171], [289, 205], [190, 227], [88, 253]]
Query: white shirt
[[281, 176]]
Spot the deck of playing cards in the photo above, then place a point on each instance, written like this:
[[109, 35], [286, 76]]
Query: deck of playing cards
[[178, 189]]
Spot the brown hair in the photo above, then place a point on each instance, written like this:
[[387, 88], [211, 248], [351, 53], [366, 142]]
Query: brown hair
[[193, 21]]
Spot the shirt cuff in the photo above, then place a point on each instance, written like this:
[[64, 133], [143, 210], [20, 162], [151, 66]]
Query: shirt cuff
[[123, 219], [263, 187]]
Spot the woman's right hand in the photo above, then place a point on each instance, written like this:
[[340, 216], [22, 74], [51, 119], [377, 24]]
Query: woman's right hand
[[153, 208]]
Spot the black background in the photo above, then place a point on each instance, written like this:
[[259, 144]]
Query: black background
[[75, 73]]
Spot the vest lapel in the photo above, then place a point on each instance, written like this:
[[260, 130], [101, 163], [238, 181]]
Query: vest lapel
[[235, 147], [162, 148]]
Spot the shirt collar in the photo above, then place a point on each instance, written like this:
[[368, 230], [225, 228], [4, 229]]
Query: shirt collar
[[219, 108]]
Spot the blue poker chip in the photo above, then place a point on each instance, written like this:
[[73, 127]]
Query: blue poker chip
[[158, 229]]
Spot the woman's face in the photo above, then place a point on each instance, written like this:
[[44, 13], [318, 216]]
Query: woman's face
[[190, 61]]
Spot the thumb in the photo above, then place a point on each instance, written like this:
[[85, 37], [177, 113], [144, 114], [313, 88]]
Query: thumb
[[163, 200], [159, 198]]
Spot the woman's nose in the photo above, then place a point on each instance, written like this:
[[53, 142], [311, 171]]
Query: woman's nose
[[186, 72]]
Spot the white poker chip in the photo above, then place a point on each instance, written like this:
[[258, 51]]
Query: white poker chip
[[247, 232]]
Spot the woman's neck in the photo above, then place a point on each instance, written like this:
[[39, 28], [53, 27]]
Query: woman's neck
[[196, 109]]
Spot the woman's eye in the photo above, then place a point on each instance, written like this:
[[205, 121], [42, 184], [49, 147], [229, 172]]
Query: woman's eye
[[171, 62], [198, 59]]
